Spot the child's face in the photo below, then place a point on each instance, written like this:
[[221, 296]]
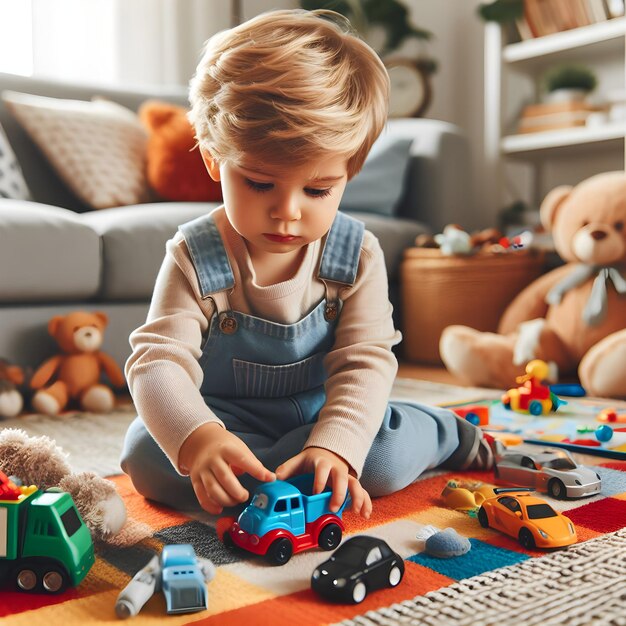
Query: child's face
[[281, 210]]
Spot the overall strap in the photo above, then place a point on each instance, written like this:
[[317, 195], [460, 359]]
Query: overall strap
[[340, 259], [342, 249], [208, 255], [213, 269]]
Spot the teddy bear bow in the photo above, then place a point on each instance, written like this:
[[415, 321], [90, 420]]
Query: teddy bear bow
[[596, 306]]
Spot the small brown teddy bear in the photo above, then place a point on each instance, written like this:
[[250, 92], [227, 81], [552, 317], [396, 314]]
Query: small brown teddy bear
[[39, 461], [76, 373], [11, 399], [573, 316]]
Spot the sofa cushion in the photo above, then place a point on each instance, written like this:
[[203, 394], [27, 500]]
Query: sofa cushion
[[379, 186], [47, 253], [12, 183], [98, 148], [133, 244]]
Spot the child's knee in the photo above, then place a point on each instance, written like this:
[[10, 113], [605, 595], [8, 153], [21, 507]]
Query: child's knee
[[384, 476], [150, 471]]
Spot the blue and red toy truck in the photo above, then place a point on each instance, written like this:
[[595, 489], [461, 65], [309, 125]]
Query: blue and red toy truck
[[284, 518]]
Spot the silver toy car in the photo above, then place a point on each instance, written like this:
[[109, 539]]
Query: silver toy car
[[549, 470]]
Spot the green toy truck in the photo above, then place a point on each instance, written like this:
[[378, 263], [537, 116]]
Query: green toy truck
[[44, 543]]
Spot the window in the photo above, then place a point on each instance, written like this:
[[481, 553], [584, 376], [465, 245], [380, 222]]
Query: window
[[510, 503], [16, 37], [281, 506], [71, 521], [295, 503], [374, 556]]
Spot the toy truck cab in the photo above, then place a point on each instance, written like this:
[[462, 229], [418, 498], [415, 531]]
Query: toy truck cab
[[285, 517], [44, 543], [182, 581]]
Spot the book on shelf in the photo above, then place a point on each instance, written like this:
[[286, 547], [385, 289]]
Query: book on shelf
[[598, 10], [550, 108], [552, 122], [552, 116], [546, 17]]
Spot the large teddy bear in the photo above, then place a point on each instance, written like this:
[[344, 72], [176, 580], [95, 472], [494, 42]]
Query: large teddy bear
[[75, 374], [574, 316]]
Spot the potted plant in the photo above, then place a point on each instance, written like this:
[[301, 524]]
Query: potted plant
[[567, 83], [501, 11], [370, 17]]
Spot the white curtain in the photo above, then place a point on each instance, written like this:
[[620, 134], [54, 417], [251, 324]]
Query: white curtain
[[123, 42], [116, 42]]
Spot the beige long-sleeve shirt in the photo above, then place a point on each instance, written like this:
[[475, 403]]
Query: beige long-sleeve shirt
[[164, 375]]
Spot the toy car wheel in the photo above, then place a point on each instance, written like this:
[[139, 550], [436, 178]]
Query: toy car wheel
[[556, 489], [330, 537], [26, 579], [359, 592], [280, 551], [535, 407], [483, 519], [54, 580], [228, 540], [395, 576], [526, 539]]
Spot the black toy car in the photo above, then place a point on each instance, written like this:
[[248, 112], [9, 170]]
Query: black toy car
[[359, 565]]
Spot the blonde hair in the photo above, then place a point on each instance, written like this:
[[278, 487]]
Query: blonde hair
[[289, 86]]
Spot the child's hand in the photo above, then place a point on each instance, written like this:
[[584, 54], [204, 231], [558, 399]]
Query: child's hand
[[326, 464], [214, 458]]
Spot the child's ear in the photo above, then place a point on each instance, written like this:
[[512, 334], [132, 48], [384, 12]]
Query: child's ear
[[211, 165]]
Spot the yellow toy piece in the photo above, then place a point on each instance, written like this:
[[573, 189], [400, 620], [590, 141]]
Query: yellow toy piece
[[466, 495]]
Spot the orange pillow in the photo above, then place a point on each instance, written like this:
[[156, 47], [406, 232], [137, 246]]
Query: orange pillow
[[174, 167]]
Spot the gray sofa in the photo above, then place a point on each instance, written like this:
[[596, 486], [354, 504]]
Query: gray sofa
[[56, 257]]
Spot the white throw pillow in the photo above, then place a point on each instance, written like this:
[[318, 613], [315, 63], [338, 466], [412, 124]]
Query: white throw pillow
[[12, 183], [98, 148]]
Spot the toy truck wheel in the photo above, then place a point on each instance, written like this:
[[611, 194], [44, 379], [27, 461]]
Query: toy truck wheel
[[482, 518], [228, 540], [26, 578], [280, 551], [535, 408], [54, 580], [330, 537]]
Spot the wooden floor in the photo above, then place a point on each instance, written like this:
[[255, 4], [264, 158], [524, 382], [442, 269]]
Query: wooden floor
[[427, 372]]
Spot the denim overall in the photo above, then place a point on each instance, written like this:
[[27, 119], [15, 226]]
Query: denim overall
[[265, 380]]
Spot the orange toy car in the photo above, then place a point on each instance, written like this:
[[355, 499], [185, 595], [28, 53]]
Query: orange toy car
[[531, 520]]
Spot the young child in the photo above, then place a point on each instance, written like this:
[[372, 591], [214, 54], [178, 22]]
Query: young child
[[267, 348]]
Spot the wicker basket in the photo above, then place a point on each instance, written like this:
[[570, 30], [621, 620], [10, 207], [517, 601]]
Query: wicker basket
[[438, 291]]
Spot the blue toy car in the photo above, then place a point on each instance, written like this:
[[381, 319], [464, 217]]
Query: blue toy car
[[183, 582]]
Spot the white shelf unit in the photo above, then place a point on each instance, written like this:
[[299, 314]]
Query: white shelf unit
[[592, 45]]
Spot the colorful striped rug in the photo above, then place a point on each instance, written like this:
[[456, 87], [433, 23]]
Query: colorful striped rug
[[247, 591]]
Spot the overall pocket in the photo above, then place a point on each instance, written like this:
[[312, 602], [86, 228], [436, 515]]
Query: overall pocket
[[257, 380]]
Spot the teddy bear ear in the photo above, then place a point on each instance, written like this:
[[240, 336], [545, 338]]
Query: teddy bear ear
[[103, 317], [54, 324], [155, 114], [551, 204]]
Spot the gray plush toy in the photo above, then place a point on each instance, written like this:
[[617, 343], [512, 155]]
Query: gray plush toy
[[40, 461]]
